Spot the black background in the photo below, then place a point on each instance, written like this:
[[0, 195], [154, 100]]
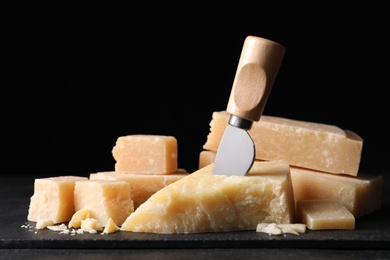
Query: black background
[[76, 77]]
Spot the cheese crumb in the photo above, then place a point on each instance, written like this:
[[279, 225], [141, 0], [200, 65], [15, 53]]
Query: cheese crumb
[[110, 227], [78, 217], [91, 225], [41, 224], [280, 229], [61, 227]]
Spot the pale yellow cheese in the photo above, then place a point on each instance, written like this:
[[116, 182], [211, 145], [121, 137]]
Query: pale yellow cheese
[[41, 224], [110, 227], [206, 157], [91, 225], [324, 214], [309, 145], [52, 199], [281, 229], [78, 216], [142, 186], [146, 154], [361, 195], [105, 199], [201, 202]]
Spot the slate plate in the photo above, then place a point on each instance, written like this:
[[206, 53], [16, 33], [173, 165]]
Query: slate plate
[[371, 231]]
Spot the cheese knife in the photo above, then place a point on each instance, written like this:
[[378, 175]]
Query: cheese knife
[[257, 68]]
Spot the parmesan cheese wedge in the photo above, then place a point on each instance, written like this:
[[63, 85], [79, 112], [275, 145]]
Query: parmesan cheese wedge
[[361, 194], [303, 144], [201, 202]]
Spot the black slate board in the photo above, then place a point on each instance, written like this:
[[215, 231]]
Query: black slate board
[[371, 231]]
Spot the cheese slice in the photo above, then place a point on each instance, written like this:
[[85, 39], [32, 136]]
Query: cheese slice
[[52, 199], [201, 202], [361, 195], [309, 145], [104, 199], [324, 214], [142, 186], [146, 154]]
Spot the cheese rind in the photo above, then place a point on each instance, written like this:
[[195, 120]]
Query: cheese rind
[[142, 186], [146, 154], [53, 199], [105, 199], [201, 202], [324, 214], [309, 145]]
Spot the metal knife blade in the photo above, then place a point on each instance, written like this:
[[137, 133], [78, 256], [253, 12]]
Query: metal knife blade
[[258, 66]]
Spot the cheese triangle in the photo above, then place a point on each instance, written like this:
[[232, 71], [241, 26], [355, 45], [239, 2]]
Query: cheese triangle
[[201, 202]]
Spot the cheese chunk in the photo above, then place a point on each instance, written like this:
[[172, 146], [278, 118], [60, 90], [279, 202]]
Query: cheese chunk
[[145, 154], [201, 202], [206, 157], [324, 214], [303, 144], [91, 225], [75, 221], [110, 227], [53, 199], [142, 186], [361, 195], [105, 199]]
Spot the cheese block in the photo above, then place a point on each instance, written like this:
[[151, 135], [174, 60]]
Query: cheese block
[[146, 154], [361, 195], [324, 214], [104, 199], [142, 186], [201, 202], [52, 199], [206, 157], [303, 144]]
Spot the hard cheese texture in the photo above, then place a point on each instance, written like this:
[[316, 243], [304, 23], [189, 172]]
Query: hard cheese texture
[[105, 199], [304, 144], [361, 195], [142, 186], [324, 214], [146, 154], [53, 199], [202, 202]]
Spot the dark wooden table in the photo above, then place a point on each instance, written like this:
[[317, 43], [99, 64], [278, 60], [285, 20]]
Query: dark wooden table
[[19, 239]]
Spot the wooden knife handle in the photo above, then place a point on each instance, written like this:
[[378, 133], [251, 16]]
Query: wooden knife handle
[[256, 72]]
